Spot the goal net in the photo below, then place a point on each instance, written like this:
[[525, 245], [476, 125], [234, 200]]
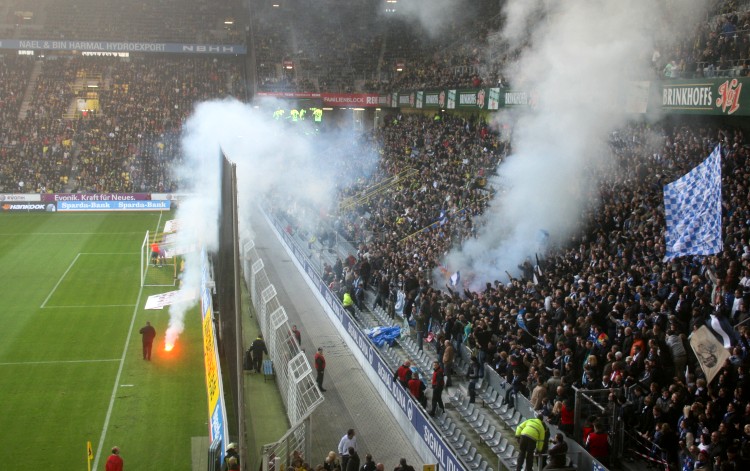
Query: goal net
[[159, 261]]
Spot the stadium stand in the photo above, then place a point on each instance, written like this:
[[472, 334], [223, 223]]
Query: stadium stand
[[195, 22], [608, 295], [610, 291], [128, 143]]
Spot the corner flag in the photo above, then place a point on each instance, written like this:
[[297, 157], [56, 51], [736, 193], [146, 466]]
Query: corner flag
[[692, 209], [89, 453]]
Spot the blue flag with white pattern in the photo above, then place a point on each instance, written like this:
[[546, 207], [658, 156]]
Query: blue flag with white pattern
[[692, 208]]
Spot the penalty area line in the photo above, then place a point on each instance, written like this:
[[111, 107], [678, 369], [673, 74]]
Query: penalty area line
[[59, 281]]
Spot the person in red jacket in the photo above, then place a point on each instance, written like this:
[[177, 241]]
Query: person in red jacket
[[438, 383], [587, 428], [114, 462], [417, 389], [320, 367], [597, 444], [403, 373], [566, 417]]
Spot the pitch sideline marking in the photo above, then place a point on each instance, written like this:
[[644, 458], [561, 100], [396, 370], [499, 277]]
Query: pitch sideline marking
[[119, 373]]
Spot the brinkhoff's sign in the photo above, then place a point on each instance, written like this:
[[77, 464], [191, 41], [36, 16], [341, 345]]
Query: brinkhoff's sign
[[705, 97], [692, 97]]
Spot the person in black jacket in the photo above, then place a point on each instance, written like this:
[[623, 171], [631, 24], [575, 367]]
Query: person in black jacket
[[369, 464], [558, 453], [352, 464], [148, 334], [258, 348], [402, 466]]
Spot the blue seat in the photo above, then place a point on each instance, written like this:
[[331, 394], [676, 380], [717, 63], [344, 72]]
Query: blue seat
[[482, 466], [474, 463], [469, 452], [497, 441], [508, 453], [489, 434], [467, 412], [490, 395], [515, 420], [456, 399], [445, 424], [483, 426], [500, 446]]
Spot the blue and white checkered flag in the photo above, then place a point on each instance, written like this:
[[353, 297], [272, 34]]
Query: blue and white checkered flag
[[692, 208]]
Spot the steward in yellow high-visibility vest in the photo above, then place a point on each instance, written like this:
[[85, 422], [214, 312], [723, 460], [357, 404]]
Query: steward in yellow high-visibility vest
[[348, 302], [531, 434]]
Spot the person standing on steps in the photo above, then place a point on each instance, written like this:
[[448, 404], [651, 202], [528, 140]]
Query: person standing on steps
[[438, 383], [320, 367], [347, 443]]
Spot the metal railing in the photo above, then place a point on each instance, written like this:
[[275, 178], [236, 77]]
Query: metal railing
[[292, 370], [290, 451]]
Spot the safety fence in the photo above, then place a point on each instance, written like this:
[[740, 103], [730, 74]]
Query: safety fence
[[289, 451], [291, 369], [293, 372]]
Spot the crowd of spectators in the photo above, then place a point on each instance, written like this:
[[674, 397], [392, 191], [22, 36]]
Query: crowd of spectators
[[331, 46], [127, 143], [196, 21], [608, 311], [390, 54]]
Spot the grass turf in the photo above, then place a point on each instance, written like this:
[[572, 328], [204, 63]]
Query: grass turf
[[72, 305]]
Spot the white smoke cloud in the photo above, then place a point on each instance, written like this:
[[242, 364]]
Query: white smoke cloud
[[270, 155], [578, 57], [434, 16]]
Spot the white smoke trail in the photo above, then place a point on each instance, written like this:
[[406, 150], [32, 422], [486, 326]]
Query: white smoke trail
[[579, 58], [269, 154], [434, 16]]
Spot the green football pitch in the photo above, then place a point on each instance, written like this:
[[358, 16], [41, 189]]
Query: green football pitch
[[71, 368]]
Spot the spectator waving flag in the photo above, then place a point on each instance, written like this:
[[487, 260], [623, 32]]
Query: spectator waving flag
[[710, 352], [692, 208], [722, 330], [456, 278], [443, 218]]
